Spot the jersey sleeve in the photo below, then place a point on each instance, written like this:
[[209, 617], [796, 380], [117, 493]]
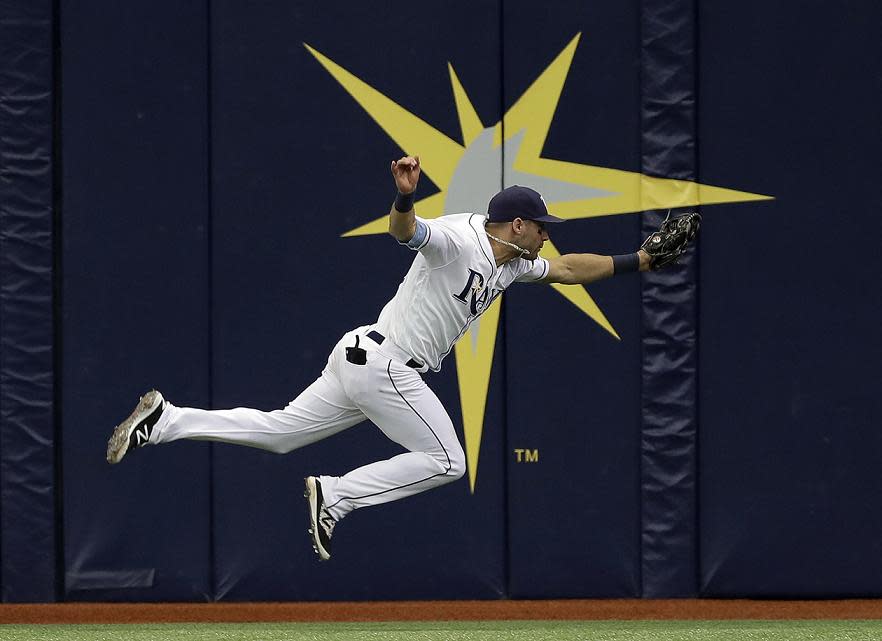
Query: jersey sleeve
[[437, 241], [532, 271]]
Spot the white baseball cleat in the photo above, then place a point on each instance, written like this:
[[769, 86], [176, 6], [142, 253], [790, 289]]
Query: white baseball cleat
[[321, 523], [135, 431]]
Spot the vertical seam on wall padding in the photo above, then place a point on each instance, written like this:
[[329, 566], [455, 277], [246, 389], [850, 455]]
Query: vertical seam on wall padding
[[506, 565], [502, 93], [2, 363], [696, 257], [209, 233], [57, 301], [642, 330]]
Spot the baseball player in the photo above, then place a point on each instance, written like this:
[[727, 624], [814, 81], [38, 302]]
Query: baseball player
[[463, 262]]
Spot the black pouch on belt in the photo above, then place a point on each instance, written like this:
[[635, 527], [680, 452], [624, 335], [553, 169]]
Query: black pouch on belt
[[356, 355]]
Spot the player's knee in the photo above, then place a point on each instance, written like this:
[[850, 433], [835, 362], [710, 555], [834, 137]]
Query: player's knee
[[451, 459], [457, 464]]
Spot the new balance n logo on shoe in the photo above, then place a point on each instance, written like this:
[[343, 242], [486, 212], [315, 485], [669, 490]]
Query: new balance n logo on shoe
[[327, 521], [142, 434]]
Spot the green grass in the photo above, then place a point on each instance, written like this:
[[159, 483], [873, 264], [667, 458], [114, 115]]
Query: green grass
[[822, 630]]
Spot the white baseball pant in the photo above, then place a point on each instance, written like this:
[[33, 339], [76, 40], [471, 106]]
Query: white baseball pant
[[384, 390]]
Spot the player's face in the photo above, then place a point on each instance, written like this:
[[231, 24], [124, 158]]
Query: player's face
[[535, 236]]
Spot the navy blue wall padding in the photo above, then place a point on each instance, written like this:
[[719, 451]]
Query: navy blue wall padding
[[669, 396], [297, 163], [135, 291], [574, 389], [209, 166], [791, 301], [27, 432]]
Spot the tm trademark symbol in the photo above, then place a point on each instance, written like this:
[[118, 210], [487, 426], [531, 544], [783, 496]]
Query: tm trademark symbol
[[523, 455]]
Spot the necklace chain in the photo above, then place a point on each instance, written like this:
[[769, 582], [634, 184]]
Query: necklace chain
[[520, 250]]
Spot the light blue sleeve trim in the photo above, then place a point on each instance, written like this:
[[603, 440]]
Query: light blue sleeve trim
[[420, 236]]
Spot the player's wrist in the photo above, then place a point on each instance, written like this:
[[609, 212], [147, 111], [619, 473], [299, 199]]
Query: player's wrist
[[626, 263], [404, 202]]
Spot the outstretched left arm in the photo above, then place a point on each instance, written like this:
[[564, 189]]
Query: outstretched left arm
[[661, 248], [575, 269]]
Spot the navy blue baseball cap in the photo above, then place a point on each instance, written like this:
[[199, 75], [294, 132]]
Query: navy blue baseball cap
[[519, 202]]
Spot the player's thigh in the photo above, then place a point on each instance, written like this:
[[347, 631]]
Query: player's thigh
[[408, 411], [322, 409]]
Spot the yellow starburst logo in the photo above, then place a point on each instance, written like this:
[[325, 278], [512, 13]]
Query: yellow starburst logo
[[507, 153]]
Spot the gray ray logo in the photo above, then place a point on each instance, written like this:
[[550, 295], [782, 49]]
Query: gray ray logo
[[480, 172], [479, 175]]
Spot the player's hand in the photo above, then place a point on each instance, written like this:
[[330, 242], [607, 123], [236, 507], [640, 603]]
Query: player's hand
[[671, 240], [406, 173]]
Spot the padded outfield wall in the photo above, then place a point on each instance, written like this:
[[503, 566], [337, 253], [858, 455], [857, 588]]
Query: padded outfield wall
[[192, 199]]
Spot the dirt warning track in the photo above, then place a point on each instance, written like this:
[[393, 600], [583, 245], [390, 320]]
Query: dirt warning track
[[575, 609]]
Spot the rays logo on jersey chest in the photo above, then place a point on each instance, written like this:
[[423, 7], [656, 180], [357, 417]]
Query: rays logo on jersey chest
[[475, 295]]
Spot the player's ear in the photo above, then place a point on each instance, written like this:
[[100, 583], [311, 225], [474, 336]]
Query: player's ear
[[517, 225]]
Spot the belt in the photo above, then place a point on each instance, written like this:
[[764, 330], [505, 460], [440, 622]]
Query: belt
[[378, 338]]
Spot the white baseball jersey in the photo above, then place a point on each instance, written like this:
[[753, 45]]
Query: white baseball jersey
[[452, 281]]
